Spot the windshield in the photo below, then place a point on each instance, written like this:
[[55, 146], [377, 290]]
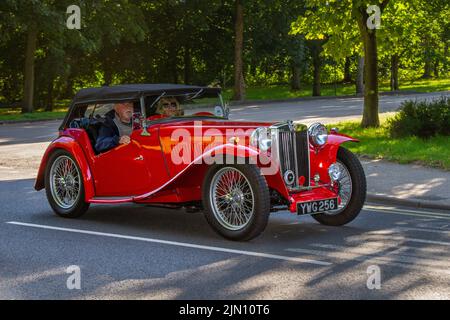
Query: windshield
[[186, 106]]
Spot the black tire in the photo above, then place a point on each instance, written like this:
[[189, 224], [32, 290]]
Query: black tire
[[258, 220], [359, 190], [80, 207]]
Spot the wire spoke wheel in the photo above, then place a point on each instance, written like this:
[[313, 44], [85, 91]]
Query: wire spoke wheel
[[65, 182], [351, 189], [232, 199]]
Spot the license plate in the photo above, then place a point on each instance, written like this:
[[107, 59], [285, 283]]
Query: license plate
[[320, 206]]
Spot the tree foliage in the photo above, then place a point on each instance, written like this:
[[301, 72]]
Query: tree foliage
[[295, 42]]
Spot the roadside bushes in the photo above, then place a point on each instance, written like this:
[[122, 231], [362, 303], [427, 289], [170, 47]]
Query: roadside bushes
[[423, 119]]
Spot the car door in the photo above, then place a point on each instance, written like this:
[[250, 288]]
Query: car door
[[153, 157], [122, 171]]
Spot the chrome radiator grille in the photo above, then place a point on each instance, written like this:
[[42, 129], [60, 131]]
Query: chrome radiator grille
[[293, 153]]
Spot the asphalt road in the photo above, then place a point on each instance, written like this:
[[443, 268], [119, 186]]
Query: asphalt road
[[133, 252], [323, 110]]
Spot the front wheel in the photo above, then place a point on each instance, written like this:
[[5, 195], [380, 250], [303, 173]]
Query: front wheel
[[352, 188], [64, 186], [236, 200]]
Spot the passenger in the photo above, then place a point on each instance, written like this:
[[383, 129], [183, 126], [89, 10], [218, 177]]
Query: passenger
[[169, 107], [117, 128]]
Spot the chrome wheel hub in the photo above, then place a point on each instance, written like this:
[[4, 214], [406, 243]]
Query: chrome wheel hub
[[344, 186]]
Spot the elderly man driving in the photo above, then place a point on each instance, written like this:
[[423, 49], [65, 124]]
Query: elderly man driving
[[117, 128]]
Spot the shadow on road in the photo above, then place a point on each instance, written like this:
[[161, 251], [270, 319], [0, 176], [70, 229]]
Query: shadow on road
[[126, 269]]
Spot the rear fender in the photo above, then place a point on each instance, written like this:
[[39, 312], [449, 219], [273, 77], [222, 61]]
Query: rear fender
[[71, 146]]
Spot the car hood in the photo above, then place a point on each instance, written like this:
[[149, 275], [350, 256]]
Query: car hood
[[213, 123]]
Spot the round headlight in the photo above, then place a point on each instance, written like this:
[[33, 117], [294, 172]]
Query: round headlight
[[318, 134], [261, 138]]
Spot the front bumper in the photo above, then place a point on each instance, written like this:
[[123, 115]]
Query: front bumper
[[321, 193]]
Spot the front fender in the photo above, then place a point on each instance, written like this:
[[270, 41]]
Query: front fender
[[335, 140], [71, 146], [322, 158]]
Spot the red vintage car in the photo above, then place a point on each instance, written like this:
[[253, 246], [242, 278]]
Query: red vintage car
[[237, 173]]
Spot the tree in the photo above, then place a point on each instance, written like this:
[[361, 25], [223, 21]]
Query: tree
[[335, 20], [239, 82]]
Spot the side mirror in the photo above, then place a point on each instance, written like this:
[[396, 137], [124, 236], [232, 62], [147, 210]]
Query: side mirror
[[222, 112]]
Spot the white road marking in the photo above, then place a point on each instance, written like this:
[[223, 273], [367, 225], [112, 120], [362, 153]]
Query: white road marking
[[54, 135], [386, 252], [378, 246], [375, 235], [425, 214], [444, 232], [175, 243], [389, 209], [367, 258]]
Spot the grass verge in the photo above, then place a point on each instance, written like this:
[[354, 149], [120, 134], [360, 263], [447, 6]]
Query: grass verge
[[377, 144]]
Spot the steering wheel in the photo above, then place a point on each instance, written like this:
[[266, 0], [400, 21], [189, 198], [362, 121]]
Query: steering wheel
[[156, 117], [203, 114]]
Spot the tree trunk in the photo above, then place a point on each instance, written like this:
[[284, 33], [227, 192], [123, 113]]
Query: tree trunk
[[369, 39], [394, 72], [49, 103], [173, 54], [108, 77], [317, 64], [187, 65], [239, 82], [28, 91], [436, 68], [295, 84], [370, 115], [444, 64], [360, 77], [428, 60], [347, 73]]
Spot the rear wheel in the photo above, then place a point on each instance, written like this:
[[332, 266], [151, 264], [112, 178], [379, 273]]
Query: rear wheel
[[352, 189], [236, 200], [64, 186]]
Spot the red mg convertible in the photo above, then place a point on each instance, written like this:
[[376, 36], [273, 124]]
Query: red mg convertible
[[177, 148]]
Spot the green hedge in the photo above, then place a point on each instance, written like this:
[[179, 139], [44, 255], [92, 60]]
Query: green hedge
[[422, 119]]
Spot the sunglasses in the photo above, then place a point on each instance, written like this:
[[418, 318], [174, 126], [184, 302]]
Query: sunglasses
[[173, 105]]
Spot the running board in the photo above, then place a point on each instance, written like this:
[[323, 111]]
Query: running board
[[111, 200]]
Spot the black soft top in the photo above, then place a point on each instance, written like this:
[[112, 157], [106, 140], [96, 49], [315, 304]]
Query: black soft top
[[135, 91]]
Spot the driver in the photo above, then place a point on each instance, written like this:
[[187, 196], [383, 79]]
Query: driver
[[117, 128], [169, 107]]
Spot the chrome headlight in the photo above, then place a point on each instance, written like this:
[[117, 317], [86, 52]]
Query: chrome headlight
[[318, 134], [261, 138]]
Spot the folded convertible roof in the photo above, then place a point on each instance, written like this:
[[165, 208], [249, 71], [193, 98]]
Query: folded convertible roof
[[135, 91]]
